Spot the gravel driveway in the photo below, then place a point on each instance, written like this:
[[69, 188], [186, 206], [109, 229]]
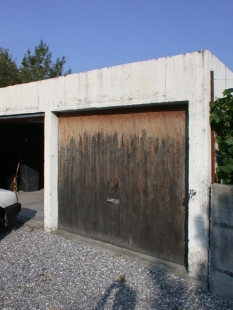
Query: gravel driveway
[[44, 271]]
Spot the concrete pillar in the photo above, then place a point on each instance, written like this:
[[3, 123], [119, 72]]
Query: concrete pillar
[[51, 172]]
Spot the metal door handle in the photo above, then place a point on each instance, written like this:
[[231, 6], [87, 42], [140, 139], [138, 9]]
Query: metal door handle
[[112, 200]]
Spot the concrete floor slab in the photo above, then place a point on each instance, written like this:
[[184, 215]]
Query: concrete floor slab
[[32, 212]]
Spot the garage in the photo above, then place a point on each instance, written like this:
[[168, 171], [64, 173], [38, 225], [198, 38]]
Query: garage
[[22, 152], [121, 171], [123, 178]]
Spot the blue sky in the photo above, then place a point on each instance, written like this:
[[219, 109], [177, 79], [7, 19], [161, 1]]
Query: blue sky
[[94, 34]]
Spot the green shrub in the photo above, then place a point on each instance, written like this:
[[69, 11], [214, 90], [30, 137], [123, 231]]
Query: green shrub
[[221, 120]]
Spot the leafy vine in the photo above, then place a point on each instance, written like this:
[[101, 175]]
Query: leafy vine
[[221, 120]]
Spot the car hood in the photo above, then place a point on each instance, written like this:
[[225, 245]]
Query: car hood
[[7, 198]]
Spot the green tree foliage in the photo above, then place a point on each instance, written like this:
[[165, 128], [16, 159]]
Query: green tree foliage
[[39, 66], [221, 119], [9, 73], [34, 66]]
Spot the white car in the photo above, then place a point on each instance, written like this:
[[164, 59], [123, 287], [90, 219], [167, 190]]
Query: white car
[[9, 207]]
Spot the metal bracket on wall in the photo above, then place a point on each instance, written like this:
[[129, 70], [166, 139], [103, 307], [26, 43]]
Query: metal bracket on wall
[[192, 192]]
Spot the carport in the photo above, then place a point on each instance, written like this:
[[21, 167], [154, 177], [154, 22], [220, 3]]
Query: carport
[[22, 156], [22, 151]]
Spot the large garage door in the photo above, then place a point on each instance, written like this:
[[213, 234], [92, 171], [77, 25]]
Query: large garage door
[[122, 178]]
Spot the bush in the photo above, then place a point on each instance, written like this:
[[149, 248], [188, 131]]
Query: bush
[[221, 120]]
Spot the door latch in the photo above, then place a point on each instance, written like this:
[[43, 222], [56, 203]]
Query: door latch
[[112, 200], [192, 192]]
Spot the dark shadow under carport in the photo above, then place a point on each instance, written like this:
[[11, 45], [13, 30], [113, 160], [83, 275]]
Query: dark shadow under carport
[[32, 212]]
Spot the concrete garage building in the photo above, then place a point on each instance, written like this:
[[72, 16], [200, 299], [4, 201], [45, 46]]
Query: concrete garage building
[[123, 148]]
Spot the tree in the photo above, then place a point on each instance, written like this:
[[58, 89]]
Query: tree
[[34, 66], [9, 72], [39, 66]]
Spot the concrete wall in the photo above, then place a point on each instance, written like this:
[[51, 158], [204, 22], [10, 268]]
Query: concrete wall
[[221, 241], [183, 78]]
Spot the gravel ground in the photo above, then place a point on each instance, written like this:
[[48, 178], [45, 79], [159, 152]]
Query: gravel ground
[[43, 271]]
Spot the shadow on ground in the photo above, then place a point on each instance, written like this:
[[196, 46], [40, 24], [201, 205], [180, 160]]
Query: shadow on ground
[[120, 295], [26, 215], [5, 231], [174, 294]]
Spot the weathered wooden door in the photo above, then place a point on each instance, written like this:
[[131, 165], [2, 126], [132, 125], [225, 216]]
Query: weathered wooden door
[[122, 178]]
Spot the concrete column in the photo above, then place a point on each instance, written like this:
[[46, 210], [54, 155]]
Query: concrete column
[[221, 239], [51, 172]]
